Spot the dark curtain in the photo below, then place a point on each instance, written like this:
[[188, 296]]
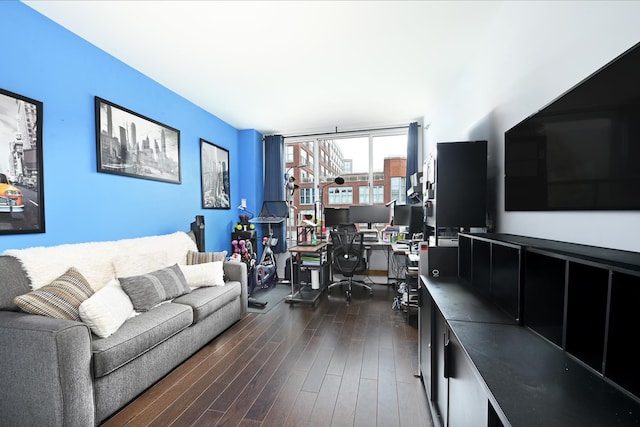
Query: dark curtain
[[412, 153], [274, 184]]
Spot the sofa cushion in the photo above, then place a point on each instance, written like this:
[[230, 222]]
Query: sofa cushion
[[59, 299], [205, 274], [194, 257], [207, 300], [138, 335], [148, 290], [106, 310]]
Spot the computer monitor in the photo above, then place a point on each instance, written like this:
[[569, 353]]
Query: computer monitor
[[369, 214], [333, 217], [416, 225], [402, 215], [411, 216]]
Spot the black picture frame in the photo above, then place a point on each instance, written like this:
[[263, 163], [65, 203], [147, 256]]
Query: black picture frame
[[22, 172], [151, 149], [214, 176]]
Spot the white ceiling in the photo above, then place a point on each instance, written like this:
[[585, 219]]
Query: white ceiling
[[290, 66]]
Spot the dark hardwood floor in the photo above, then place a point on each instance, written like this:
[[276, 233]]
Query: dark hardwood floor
[[333, 365]]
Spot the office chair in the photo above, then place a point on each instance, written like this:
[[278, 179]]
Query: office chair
[[348, 259], [347, 228]]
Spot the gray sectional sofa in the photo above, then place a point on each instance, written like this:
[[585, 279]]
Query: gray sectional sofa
[[56, 372]]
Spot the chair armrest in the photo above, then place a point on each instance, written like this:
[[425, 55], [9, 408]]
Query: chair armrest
[[237, 271], [45, 371]]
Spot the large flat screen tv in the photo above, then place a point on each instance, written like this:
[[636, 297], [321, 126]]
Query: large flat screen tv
[[582, 151]]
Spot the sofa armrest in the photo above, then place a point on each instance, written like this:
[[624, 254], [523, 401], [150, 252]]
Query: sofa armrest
[[237, 271], [45, 371]]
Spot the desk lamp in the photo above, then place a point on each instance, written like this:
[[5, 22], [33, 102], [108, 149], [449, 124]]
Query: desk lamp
[[317, 211]]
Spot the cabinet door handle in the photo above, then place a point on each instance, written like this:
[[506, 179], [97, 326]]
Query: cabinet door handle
[[446, 363]]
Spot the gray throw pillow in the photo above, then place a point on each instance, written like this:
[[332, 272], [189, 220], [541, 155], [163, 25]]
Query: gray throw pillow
[[194, 257], [148, 290]]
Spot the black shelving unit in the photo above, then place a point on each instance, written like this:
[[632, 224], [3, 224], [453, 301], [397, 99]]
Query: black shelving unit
[[544, 292], [581, 299], [622, 365], [532, 332]]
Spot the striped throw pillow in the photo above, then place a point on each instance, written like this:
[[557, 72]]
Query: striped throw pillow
[[194, 257], [59, 299], [148, 290]]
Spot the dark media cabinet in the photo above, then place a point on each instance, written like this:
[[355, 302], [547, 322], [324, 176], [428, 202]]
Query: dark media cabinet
[[532, 332]]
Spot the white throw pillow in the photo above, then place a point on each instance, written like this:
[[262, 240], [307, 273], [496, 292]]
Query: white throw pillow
[[106, 310], [135, 265], [205, 274]]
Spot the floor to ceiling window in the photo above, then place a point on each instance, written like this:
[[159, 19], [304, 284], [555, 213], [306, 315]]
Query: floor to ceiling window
[[372, 165]]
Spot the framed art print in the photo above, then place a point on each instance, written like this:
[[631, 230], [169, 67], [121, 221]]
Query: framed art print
[[133, 145], [21, 165], [214, 175]]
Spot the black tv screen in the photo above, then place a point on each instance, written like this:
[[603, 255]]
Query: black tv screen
[[581, 152]]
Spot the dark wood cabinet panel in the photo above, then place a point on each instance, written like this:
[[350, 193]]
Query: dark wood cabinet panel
[[440, 383], [467, 397], [425, 329]]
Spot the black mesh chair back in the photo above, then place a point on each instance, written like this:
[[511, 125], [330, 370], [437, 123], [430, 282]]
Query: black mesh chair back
[[348, 259], [347, 228], [348, 254]]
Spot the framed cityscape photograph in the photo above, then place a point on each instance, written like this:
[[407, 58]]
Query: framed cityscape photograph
[[214, 175], [133, 145], [21, 171]]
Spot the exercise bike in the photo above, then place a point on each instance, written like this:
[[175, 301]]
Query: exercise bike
[[266, 272]]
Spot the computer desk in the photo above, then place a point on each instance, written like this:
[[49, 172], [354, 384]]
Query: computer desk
[[395, 270], [304, 292], [378, 245], [408, 256]]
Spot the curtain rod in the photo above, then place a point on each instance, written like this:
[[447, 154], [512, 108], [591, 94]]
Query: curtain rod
[[346, 131]]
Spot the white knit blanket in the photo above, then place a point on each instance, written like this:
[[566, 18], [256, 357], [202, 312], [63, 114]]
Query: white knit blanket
[[95, 259]]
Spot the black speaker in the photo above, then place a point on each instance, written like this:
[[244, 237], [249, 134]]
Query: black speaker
[[197, 227]]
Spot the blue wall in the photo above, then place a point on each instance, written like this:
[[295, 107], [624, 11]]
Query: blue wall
[[44, 61]]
